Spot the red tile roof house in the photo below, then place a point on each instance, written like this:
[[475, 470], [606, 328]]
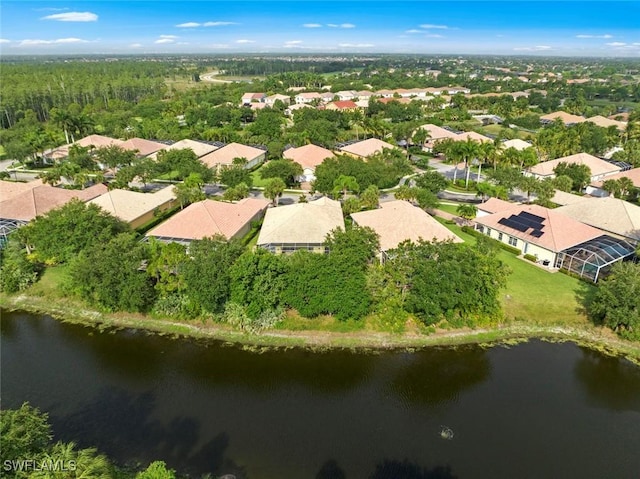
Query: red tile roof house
[[91, 141], [225, 156], [208, 218], [537, 231], [141, 146], [398, 221], [344, 105], [35, 199], [366, 148], [309, 157], [600, 169], [567, 118], [198, 147], [249, 98], [595, 188]]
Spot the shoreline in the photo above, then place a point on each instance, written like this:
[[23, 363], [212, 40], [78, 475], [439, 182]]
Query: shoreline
[[592, 337]]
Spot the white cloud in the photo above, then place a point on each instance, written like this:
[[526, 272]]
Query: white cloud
[[169, 37], [4, 40], [293, 42], [188, 25], [30, 42], [616, 44], [538, 48], [219, 45], [636, 44], [355, 45], [312, 25], [72, 17], [50, 9], [245, 41], [341, 25], [433, 35], [436, 27], [135, 45], [164, 40], [219, 24], [606, 35], [414, 31]]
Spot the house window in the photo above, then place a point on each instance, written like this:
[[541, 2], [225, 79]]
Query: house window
[[499, 236], [488, 231], [513, 241], [481, 228]]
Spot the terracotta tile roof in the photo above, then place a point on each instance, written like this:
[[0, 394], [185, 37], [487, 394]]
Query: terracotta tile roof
[[366, 148], [209, 217], [566, 118], [301, 223], [308, 156], [437, 132], [597, 166], [144, 147], [9, 189], [42, 199], [199, 148], [98, 141], [344, 105], [495, 205], [608, 214], [559, 231], [633, 175], [472, 135], [131, 205], [607, 122], [226, 154], [397, 221]]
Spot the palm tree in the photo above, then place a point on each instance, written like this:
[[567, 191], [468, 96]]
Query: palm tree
[[488, 154], [469, 150], [625, 184], [345, 184], [467, 211], [420, 137]]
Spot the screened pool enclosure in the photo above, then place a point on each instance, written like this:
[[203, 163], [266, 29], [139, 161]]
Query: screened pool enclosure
[[595, 257]]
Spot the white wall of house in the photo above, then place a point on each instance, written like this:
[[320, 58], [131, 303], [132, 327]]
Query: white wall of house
[[524, 246], [255, 161]]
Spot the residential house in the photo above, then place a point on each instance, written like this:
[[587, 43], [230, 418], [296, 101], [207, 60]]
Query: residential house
[[308, 97], [366, 148], [562, 198], [595, 188], [493, 205], [198, 147], [208, 218], [343, 105], [364, 95], [21, 204], [398, 221], [224, 156], [345, 95], [300, 226], [309, 157], [604, 122], [385, 93], [610, 214], [142, 147], [599, 168], [136, 208], [91, 141], [249, 98], [567, 118], [516, 143], [555, 239], [271, 100]]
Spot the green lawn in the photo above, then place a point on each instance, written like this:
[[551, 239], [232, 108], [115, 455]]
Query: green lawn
[[257, 180], [497, 129], [534, 294], [448, 208]]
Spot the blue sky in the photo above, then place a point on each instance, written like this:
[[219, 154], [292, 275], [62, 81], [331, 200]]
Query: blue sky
[[569, 28]]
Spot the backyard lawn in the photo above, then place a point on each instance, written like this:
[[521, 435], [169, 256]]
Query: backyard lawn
[[534, 294], [257, 180]]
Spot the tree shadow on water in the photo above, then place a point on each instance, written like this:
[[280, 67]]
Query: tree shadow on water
[[331, 470], [120, 424], [394, 469]]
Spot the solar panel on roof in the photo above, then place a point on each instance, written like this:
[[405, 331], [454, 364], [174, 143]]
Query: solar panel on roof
[[537, 233], [531, 216]]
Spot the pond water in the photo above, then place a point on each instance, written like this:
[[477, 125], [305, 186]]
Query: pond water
[[536, 410]]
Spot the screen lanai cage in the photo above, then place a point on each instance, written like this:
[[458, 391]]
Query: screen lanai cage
[[8, 226], [593, 259]]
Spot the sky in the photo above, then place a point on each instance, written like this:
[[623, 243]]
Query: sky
[[542, 27]]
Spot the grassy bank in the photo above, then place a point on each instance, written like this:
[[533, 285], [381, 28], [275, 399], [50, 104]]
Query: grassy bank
[[534, 320]]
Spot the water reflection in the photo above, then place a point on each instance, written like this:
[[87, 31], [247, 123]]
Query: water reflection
[[610, 383], [437, 376], [394, 469]]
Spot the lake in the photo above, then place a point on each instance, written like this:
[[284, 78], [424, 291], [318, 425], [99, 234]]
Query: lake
[[535, 410]]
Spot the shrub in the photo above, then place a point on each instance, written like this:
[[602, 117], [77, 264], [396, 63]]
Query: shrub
[[531, 258]]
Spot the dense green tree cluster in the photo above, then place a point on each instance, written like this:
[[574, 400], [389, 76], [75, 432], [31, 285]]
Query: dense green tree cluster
[[28, 451], [383, 170]]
